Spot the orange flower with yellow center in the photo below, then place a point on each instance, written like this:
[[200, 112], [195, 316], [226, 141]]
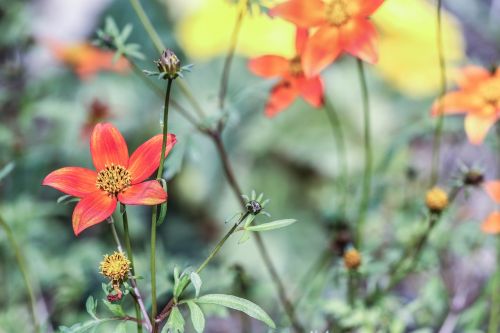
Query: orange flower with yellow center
[[491, 224], [343, 25], [478, 97], [118, 177], [293, 82]]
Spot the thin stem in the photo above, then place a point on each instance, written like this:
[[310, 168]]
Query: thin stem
[[154, 306], [128, 245], [494, 324], [24, 272], [438, 132], [367, 176], [230, 54], [352, 285], [148, 26], [191, 99]]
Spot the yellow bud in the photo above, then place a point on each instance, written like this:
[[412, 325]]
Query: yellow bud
[[352, 259], [436, 200]]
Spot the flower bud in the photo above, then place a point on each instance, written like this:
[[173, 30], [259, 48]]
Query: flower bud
[[436, 200], [169, 64], [473, 177], [352, 259]]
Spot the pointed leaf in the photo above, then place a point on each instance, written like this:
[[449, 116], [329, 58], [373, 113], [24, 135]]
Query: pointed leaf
[[196, 281], [175, 323], [271, 225], [116, 309], [197, 317]]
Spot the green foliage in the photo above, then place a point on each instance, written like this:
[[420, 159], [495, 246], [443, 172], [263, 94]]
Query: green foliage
[[197, 317], [175, 322], [271, 225]]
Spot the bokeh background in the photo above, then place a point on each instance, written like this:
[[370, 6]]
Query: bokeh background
[[45, 109]]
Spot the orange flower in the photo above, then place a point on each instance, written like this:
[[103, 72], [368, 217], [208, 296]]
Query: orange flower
[[87, 60], [118, 177], [343, 26], [293, 83], [492, 223], [478, 96]]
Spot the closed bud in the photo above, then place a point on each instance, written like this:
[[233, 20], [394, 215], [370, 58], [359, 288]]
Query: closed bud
[[473, 177], [436, 200], [169, 64], [352, 259]]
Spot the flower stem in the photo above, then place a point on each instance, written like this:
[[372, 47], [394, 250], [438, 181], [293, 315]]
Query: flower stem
[[154, 306], [438, 132], [352, 285], [367, 176], [230, 54], [128, 245], [24, 272], [137, 294], [148, 26], [494, 324]]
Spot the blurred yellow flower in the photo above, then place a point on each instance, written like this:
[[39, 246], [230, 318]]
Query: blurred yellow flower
[[407, 45]]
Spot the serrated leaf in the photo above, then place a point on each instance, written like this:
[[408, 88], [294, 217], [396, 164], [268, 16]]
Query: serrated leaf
[[196, 281], [197, 317], [175, 322], [237, 303], [271, 225], [116, 309]]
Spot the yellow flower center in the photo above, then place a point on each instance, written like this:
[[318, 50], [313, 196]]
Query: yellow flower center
[[436, 200], [339, 12], [115, 267], [490, 94], [113, 179], [296, 66], [352, 259]]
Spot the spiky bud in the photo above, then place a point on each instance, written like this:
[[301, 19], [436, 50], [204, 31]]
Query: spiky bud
[[169, 64]]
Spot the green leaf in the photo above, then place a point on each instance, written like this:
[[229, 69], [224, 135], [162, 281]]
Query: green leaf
[[4, 172], [66, 199], [244, 237], [197, 317], [271, 225], [91, 306], [116, 309], [175, 322], [237, 303], [196, 280]]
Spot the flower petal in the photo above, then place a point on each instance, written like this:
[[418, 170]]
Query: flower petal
[[321, 50], [74, 181], [282, 95], [470, 76], [456, 102], [364, 8], [92, 209], [146, 158], [303, 13], [492, 224], [108, 146], [269, 66], [493, 190], [312, 90], [477, 126], [301, 37], [146, 193], [359, 38]]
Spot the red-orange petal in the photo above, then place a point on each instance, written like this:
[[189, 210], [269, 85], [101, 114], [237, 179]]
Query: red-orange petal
[[359, 37], [146, 193], [269, 66], [469, 76], [303, 13], [492, 224], [301, 37], [456, 102], [92, 209], [477, 126], [108, 146], [282, 95], [74, 181], [146, 158], [493, 190], [321, 50], [312, 90], [365, 8]]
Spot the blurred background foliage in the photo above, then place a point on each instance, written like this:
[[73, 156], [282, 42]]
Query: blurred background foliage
[[44, 108]]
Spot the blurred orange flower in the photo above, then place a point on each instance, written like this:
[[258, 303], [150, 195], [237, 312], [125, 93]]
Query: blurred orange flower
[[118, 177], [97, 113], [492, 223], [343, 26], [293, 83], [87, 60], [478, 96]]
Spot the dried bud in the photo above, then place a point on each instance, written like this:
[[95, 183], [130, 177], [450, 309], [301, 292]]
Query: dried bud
[[253, 207], [352, 259], [436, 200], [473, 177], [169, 64]]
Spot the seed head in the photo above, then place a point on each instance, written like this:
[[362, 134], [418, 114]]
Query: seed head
[[115, 267]]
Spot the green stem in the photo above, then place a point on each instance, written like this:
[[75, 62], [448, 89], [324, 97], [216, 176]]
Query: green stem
[[230, 54], [24, 272], [367, 176], [154, 306], [148, 26], [352, 286], [494, 324], [438, 132], [128, 246]]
